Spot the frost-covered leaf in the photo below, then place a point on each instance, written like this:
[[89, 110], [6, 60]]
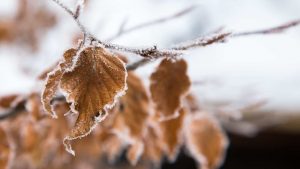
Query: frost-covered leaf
[[36, 142], [5, 150], [111, 145], [206, 141], [7, 101], [6, 34], [134, 108], [130, 121], [34, 106], [92, 86], [44, 74], [169, 83], [89, 152], [191, 102], [153, 146], [53, 79], [28, 25], [134, 152], [172, 134]]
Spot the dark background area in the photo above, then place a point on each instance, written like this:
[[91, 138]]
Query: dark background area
[[267, 150]]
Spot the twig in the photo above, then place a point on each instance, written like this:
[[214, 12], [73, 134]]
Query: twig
[[79, 8], [152, 23], [86, 34], [120, 31], [149, 52], [202, 42], [139, 63], [278, 29], [21, 107], [177, 50], [14, 111]]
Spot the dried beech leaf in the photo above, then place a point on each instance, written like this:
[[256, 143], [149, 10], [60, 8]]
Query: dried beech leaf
[[43, 75], [153, 147], [29, 137], [29, 150], [28, 25], [131, 118], [134, 108], [168, 84], [98, 78], [191, 102], [34, 107], [7, 101], [206, 141], [134, 152], [39, 142], [172, 134], [89, 151], [53, 79], [6, 33], [112, 147], [5, 151]]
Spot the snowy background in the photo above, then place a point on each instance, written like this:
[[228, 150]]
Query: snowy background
[[240, 71]]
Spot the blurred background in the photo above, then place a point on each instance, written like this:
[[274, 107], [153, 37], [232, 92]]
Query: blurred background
[[251, 83]]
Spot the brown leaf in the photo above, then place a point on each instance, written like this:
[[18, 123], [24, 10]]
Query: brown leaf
[[191, 102], [34, 107], [131, 118], [53, 79], [169, 83], [134, 108], [38, 143], [6, 34], [98, 78], [31, 21], [29, 149], [89, 152], [7, 101], [153, 147], [112, 146], [134, 152], [5, 151], [206, 141], [172, 134], [43, 75]]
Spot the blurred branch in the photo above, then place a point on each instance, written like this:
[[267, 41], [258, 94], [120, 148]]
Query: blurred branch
[[79, 8], [149, 52], [120, 31], [177, 50], [202, 41], [137, 64], [123, 31], [86, 34], [272, 30], [21, 107], [14, 110]]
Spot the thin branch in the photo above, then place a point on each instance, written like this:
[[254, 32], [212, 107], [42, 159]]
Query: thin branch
[[152, 23], [177, 50], [139, 63], [86, 34], [79, 8], [13, 111], [68, 10], [120, 31], [202, 42], [21, 107], [278, 29]]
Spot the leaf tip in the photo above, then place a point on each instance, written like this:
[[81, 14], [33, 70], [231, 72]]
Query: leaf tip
[[68, 146]]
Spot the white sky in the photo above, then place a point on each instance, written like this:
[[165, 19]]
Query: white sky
[[245, 68]]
